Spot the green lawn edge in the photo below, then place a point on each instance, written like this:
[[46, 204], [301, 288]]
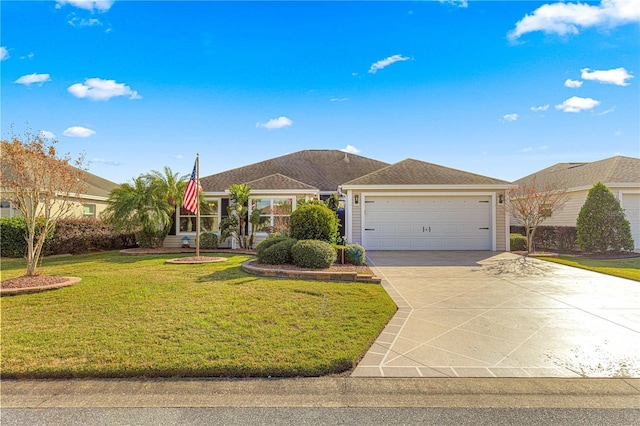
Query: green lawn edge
[[624, 268], [134, 317]]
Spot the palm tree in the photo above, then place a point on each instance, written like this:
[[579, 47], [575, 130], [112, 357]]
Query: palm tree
[[142, 208], [168, 185]]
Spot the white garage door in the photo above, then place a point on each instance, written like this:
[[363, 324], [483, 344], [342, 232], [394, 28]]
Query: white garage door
[[427, 223], [631, 205]]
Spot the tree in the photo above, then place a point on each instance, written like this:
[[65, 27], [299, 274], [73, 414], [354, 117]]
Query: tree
[[313, 221], [532, 204], [602, 225], [168, 185], [141, 208], [235, 224], [42, 186]]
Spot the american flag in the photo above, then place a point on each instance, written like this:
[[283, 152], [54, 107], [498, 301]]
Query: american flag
[[190, 200]]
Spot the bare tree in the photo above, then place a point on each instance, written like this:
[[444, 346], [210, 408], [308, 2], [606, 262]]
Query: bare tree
[[42, 186], [531, 204]]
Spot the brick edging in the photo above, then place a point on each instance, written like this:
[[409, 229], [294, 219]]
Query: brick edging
[[301, 274]]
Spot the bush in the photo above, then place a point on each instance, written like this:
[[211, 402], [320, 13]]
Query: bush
[[208, 240], [313, 254], [311, 221], [518, 242], [566, 239], [12, 242], [82, 235], [355, 254], [602, 225], [268, 242], [279, 253]]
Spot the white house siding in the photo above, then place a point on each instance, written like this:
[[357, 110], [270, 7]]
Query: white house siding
[[568, 214], [630, 202], [356, 222]]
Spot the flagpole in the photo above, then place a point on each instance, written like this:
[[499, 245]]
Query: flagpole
[[197, 204]]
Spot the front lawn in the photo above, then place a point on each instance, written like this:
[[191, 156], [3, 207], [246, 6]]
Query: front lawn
[[135, 316], [624, 268]]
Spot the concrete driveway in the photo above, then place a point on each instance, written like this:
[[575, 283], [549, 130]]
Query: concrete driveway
[[488, 314]]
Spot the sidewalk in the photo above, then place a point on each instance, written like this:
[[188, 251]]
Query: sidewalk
[[324, 392]]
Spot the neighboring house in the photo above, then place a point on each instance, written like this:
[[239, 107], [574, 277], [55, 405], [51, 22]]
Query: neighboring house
[[620, 174], [410, 205], [91, 202]]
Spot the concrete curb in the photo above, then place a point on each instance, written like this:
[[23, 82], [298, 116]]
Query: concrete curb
[[323, 392]]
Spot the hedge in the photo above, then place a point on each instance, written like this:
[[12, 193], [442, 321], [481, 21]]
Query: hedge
[[562, 239], [313, 254]]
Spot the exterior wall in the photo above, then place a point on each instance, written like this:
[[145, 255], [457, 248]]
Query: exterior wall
[[568, 214], [502, 232], [76, 211], [354, 212]]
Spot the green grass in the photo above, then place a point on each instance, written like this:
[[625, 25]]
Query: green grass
[[135, 316], [624, 268]]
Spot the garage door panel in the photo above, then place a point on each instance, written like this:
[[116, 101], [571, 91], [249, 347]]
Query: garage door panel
[[427, 223]]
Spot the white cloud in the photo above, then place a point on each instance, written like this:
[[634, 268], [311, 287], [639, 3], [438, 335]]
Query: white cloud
[[567, 18], [78, 22], [78, 132], [540, 108], [459, 3], [351, 149], [104, 161], [46, 134], [510, 117], [386, 62], [102, 90], [618, 76], [530, 148], [91, 5], [29, 79], [29, 55], [577, 104], [4, 53], [276, 123], [574, 84], [527, 149], [617, 133], [339, 99]]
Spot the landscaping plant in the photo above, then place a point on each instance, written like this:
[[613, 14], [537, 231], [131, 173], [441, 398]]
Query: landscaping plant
[[313, 254], [602, 226], [313, 221]]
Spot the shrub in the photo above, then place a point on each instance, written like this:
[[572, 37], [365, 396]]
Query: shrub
[[355, 254], [268, 242], [566, 239], [313, 254], [279, 253], [208, 240], [601, 224], [312, 221], [518, 242], [12, 242], [81, 235]]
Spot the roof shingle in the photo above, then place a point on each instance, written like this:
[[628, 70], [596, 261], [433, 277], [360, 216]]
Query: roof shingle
[[416, 172], [617, 169], [321, 169]]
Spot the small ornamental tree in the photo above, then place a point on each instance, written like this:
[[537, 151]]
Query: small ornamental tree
[[42, 186], [602, 225], [531, 204], [235, 224]]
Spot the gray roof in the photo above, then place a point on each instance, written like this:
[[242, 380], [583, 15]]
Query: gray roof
[[617, 169], [416, 172], [321, 169], [278, 181], [97, 186]]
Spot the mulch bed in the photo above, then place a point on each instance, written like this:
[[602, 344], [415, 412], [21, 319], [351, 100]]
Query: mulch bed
[[33, 281]]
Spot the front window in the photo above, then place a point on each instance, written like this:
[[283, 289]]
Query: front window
[[88, 210], [208, 218], [273, 214]]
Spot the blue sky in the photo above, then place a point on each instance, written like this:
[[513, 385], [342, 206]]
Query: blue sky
[[500, 88]]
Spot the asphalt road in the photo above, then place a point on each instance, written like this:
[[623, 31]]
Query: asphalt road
[[317, 416]]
